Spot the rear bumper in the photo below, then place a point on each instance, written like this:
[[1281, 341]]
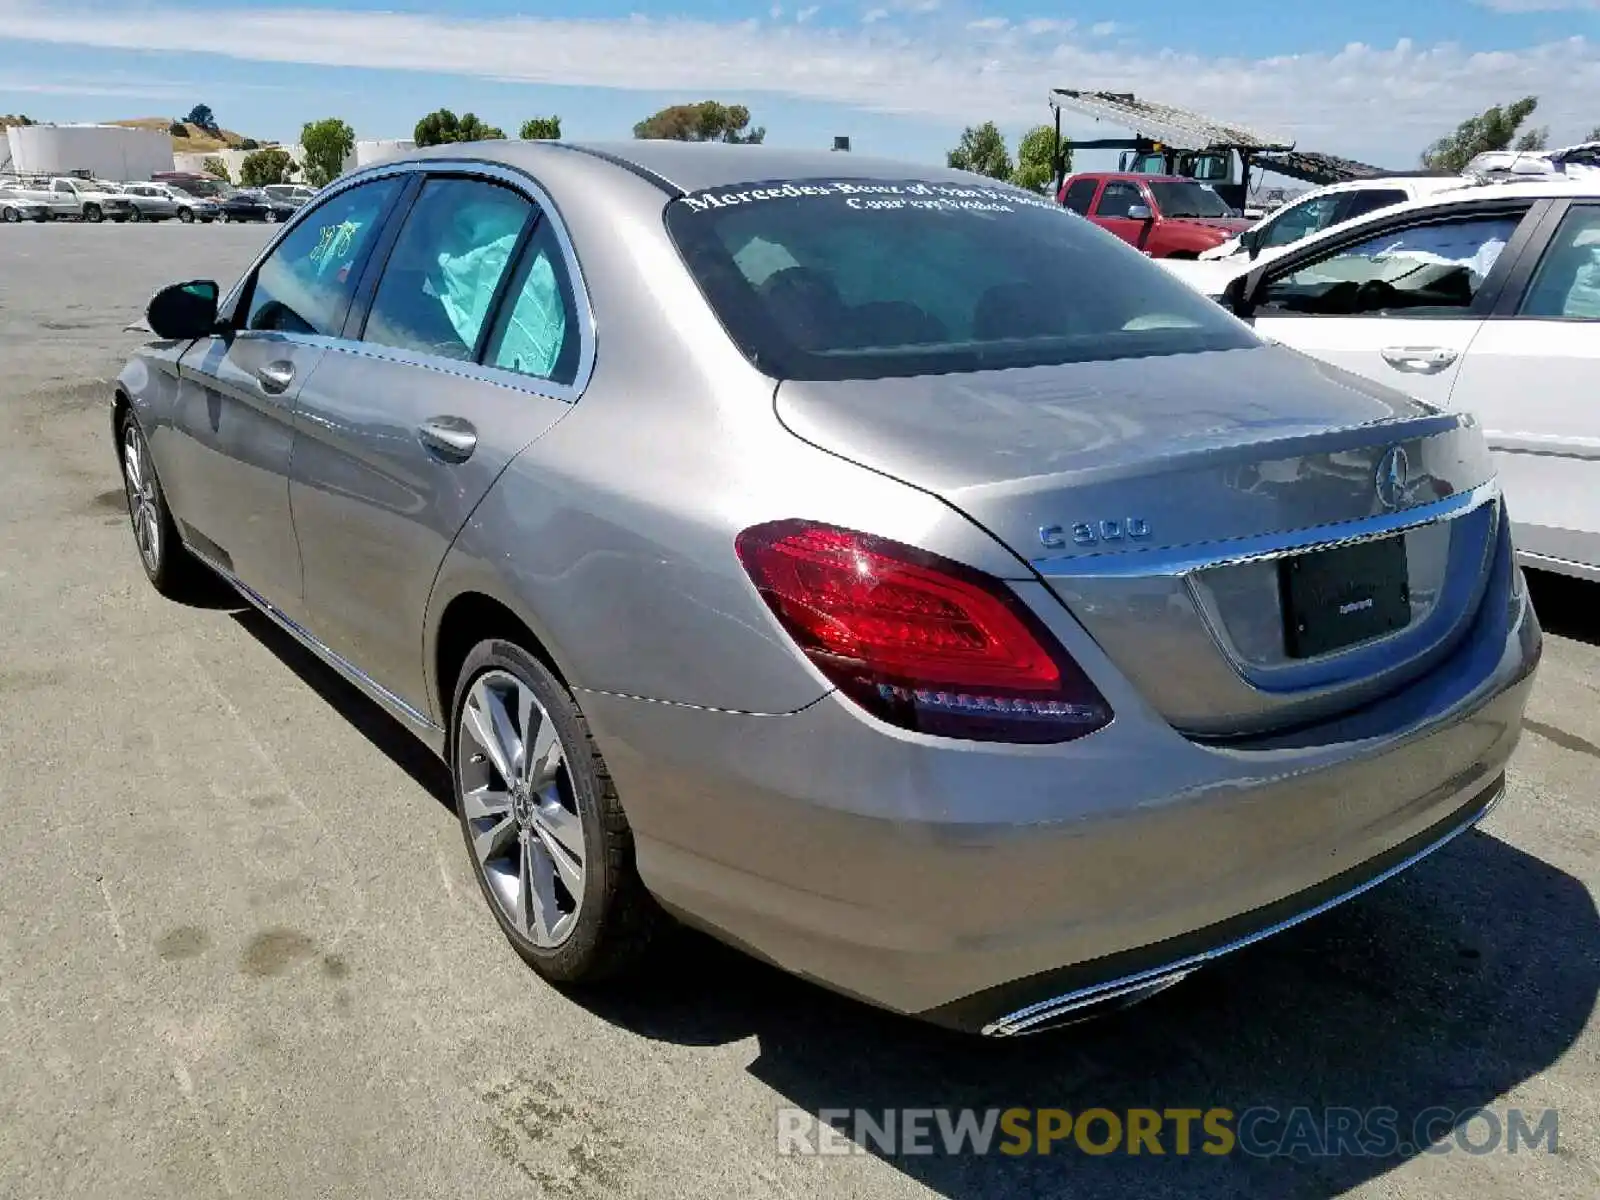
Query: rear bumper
[[966, 882]]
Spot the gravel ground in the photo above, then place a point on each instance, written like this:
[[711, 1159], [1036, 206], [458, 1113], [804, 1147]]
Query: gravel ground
[[242, 954]]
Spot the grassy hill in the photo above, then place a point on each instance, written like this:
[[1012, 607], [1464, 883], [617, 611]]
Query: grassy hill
[[199, 141]]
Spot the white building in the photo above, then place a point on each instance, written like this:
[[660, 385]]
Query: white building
[[377, 150], [113, 152], [195, 160]]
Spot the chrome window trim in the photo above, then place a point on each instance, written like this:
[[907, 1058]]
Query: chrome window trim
[[531, 190], [1185, 560]]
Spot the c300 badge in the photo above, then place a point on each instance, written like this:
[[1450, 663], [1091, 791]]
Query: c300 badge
[[1094, 533]]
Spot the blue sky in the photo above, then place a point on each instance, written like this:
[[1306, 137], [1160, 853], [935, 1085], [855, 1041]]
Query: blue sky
[[1374, 80]]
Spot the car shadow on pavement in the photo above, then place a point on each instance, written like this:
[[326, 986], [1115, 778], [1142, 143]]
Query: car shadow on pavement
[[377, 726], [1567, 607], [1442, 990]]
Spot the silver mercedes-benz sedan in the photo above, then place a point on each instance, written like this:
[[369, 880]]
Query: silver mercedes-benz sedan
[[882, 569]]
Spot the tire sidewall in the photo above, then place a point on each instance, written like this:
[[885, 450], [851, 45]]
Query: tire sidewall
[[159, 576], [582, 944], [92, 214], [11, 215]]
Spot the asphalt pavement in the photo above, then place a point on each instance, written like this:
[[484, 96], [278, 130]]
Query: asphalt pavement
[[242, 952]]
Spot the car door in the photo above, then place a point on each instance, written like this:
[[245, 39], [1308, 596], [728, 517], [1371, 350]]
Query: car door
[[1398, 300], [229, 481], [1530, 376], [1111, 211], [470, 347]]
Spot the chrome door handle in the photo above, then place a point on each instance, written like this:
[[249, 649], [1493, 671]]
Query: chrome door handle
[[275, 377], [1418, 358], [451, 438]]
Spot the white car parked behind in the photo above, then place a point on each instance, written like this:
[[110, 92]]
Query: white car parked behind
[[1326, 207], [1484, 299]]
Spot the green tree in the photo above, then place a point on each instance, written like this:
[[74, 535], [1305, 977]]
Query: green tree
[[178, 129], [266, 166], [541, 129], [1594, 135], [327, 143], [248, 144], [982, 149], [1493, 129], [216, 168], [442, 127], [1036, 159], [707, 121], [202, 116]]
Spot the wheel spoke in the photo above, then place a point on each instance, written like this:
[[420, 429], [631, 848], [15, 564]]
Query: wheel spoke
[[544, 759], [567, 865], [562, 826], [491, 843], [538, 893], [131, 464], [528, 718], [483, 727], [486, 804]]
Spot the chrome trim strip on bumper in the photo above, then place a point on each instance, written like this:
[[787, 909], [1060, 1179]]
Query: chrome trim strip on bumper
[[1183, 560], [1029, 1019]]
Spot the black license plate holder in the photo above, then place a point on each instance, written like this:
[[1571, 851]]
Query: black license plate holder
[[1336, 598]]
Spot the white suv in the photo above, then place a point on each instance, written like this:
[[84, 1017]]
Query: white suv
[[1485, 299], [86, 199]]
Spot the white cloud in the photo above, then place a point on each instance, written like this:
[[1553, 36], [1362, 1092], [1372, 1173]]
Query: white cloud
[[988, 23], [874, 14], [805, 14], [1104, 28], [1379, 104], [1043, 25]]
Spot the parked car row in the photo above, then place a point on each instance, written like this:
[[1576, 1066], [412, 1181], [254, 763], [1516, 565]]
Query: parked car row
[[96, 200]]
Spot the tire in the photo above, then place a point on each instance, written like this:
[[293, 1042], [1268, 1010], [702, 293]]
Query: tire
[[186, 216], [135, 216], [10, 215], [92, 214], [169, 566], [224, 218], [593, 927]]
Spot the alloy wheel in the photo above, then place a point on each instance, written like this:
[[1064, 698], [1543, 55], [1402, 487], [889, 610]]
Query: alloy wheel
[[11, 215], [143, 499], [520, 807]]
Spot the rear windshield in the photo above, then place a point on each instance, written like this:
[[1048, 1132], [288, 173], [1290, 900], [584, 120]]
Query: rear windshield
[[857, 279], [1189, 200]]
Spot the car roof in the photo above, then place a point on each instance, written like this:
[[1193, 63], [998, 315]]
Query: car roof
[[696, 166], [1134, 176]]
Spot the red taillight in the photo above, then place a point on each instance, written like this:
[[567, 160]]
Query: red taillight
[[918, 640]]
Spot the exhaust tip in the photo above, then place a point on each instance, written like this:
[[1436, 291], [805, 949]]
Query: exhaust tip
[[1076, 1007]]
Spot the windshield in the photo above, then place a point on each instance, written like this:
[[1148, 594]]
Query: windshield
[[859, 279], [1188, 200]]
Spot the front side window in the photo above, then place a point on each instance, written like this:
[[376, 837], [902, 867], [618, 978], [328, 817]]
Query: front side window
[[1118, 198], [1567, 283], [1188, 200], [1080, 194], [870, 279], [441, 278], [1432, 269], [306, 283]]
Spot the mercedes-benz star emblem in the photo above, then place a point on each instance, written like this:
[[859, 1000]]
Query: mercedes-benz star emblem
[[1394, 477]]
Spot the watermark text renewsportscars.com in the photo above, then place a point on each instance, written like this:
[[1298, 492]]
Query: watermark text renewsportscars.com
[[1260, 1131]]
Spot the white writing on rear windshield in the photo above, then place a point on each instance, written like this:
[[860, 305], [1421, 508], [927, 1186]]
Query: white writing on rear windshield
[[876, 197]]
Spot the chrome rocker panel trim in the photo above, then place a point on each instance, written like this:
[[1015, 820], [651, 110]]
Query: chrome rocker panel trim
[[1047, 1013], [418, 723]]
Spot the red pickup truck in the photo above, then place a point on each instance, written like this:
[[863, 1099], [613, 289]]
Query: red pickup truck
[[1166, 216]]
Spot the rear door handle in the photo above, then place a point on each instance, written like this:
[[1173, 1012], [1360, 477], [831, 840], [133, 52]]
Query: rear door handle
[[451, 438], [1418, 358], [275, 377]]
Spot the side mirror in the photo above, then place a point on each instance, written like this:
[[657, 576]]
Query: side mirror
[[1250, 239], [1140, 212], [1242, 294], [184, 310]]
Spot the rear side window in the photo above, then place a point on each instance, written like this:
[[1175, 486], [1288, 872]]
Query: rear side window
[[442, 275], [1371, 200], [1117, 199], [1080, 194], [305, 284], [857, 279], [537, 333]]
